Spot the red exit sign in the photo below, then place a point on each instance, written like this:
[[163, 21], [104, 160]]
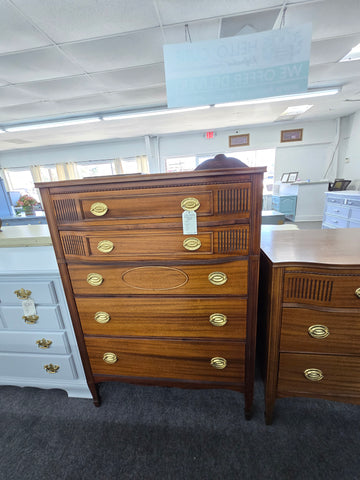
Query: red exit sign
[[209, 134]]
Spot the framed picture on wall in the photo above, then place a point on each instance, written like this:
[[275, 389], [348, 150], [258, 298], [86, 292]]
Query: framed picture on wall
[[284, 177], [292, 135], [239, 140], [292, 176]]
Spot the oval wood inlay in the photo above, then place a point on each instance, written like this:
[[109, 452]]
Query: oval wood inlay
[[155, 278]]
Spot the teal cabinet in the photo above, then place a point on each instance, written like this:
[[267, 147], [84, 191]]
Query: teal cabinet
[[285, 204]]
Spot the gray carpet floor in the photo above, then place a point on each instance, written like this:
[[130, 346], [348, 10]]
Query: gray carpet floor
[[146, 433]]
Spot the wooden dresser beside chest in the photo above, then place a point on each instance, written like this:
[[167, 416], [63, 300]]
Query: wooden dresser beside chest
[[309, 315], [153, 303]]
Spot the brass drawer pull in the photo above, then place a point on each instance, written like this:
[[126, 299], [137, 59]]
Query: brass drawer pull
[[218, 319], [313, 374], [94, 279], [30, 319], [43, 343], [51, 368], [22, 294], [102, 317], [110, 358], [357, 292], [99, 209], [191, 243], [190, 204], [318, 331], [105, 246], [217, 278], [218, 362]]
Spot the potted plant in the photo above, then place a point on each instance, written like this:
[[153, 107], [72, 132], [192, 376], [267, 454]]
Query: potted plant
[[27, 203]]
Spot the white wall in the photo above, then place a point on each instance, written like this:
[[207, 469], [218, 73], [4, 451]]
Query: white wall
[[349, 153], [310, 157]]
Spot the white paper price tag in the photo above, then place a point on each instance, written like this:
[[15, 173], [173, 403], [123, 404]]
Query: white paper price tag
[[28, 306], [189, 222]]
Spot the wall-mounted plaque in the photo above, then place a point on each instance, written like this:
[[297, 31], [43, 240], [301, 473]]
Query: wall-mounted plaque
[[239, 140], [292, 135]]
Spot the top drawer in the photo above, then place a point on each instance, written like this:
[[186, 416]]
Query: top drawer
[[331, 290], [154, 205]]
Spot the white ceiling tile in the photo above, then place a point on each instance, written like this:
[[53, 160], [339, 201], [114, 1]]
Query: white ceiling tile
[[10, 95], [199, 31], [143, 97], [60, 88], [40, 64], [16, 33], [129, 50], [130, 78], [332, 50], [69, 20], [23, 112]]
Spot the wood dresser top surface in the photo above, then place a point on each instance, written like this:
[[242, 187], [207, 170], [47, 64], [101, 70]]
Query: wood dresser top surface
[[339, 246]]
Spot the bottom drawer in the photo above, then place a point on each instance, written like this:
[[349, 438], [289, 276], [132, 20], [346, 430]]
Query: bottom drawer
[[32, 366], [341, 375], [175, 359]]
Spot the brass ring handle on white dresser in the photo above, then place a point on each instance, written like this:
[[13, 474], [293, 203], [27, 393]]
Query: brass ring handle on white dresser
[[313, 374], [22, 294], [217, 278], [43, 343], [110, 358], [190, 204], [99, 209], [94, 279], [218, 319], [102, 317], [51, 368], [318, 331], [30, 319], [357, 292], [218, 362], [105, 246], [191, 244]]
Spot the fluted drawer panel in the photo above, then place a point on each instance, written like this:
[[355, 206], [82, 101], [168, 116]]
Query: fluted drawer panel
[[110, 245], [341, 375], [338, 290], [183, 360], [152, 205], [342, 331], [164, 317], [160, 280]]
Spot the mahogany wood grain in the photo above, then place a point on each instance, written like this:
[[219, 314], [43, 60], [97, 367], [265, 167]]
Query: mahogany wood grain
[[187, 360], [155, 244], [341, 374], [160, 280], [164, 317], [310, 278], [344, 331]]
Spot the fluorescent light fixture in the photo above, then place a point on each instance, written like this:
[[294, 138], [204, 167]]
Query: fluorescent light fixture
[[296, 110], [354, 54], [2, 131], [151, 113], [61, 123], [282, 98]]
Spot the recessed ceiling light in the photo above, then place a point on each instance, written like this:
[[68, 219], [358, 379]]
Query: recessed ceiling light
[[354, 54], [296, 110]]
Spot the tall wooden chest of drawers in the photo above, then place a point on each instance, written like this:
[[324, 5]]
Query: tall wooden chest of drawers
[[309, 315], [152, 304]]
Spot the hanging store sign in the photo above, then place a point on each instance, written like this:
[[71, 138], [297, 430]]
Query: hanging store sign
[[245, 67]]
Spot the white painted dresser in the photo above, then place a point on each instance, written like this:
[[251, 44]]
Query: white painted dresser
[[36, 349], [342, 209]]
